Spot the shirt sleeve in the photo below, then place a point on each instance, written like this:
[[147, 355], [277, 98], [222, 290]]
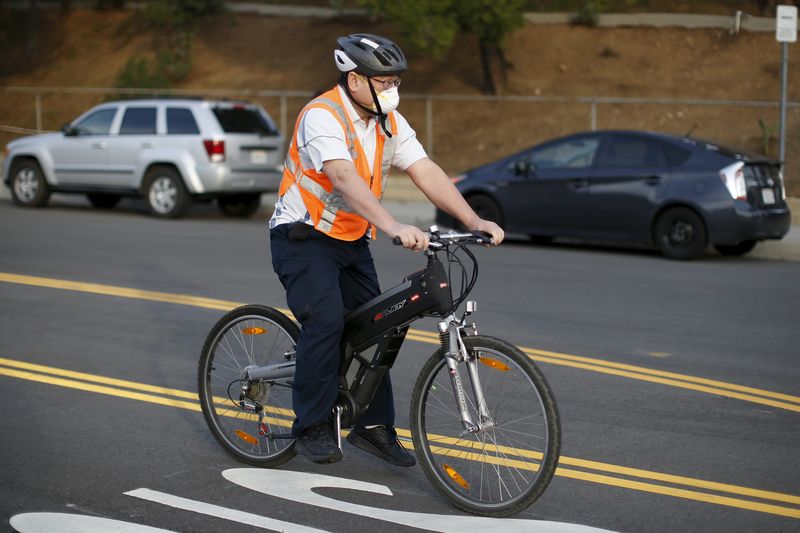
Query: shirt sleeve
[[409, 149], [321, 138]]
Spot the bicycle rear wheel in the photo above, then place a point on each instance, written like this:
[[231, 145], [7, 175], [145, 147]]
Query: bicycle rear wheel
[[500, 469], [251, 335]]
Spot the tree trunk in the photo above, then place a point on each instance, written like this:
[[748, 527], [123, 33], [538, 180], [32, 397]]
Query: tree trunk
[[486, 64], [33, 29]]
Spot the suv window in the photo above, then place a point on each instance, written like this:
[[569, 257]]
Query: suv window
[[242, 120], [97, 123], [180, 121], [573, 153], [138, 121], [625, 151]]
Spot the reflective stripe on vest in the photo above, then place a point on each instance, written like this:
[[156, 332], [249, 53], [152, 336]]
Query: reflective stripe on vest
[[329, 211]]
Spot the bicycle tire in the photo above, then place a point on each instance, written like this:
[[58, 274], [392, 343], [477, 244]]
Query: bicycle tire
[[500, 470], [248, 335]]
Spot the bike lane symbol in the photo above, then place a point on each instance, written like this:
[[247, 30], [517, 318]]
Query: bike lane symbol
[[297, 487]]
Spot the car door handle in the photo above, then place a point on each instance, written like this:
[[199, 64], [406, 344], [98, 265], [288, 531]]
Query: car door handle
[[578, 184], [99, 146], [653, 180], [148, 144]]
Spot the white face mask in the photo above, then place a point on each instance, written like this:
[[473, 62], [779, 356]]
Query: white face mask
[[389, 100]]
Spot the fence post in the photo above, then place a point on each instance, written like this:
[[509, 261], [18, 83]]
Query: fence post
[[429, 123], [38, 98], [283, 116]]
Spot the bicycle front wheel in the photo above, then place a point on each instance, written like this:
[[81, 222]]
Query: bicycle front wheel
[[501, 467], [252, 420]]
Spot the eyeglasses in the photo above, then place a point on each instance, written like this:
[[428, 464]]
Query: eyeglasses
[[388, 84]]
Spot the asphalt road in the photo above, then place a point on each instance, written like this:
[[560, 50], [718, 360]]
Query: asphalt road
[[677, 383]]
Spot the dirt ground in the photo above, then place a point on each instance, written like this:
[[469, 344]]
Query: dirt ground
[[246, 52]]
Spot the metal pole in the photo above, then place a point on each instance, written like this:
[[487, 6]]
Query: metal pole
[[593, 115], [285, 132], [38, 112], [782, 126]]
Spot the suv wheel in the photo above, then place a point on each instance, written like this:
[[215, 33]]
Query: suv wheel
[[240, 205], [28, 186], [165, 193], [103, 200], [680, 234]]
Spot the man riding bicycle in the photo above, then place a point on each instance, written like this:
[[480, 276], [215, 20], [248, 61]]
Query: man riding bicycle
[[344, 143]]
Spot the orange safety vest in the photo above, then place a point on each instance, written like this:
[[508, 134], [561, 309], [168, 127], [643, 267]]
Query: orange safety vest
[[328, 209]]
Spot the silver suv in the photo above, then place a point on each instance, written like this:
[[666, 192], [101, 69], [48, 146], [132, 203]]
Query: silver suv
[[168, 151]]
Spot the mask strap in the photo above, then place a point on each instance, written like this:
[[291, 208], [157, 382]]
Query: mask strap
[[381, 115]]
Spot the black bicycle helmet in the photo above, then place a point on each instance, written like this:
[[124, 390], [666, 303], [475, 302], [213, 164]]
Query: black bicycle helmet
[[371, 55]]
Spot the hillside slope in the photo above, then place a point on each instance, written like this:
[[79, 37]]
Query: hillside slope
[[240, 52]]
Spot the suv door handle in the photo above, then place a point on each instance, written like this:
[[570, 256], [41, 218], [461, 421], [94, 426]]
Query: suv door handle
[[148, 144], [578, 183], [653, 180], [100, 145]]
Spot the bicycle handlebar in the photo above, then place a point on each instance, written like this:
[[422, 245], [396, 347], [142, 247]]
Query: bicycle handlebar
[[437, 240]]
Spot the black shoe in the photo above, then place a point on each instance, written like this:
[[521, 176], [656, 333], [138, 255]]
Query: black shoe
[[381, 442], [318, 444]]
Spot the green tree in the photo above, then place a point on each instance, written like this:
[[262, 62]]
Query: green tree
[[432, 25]]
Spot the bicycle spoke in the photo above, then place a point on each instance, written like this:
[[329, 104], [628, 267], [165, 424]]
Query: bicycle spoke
[[250, 337], [500, 465]]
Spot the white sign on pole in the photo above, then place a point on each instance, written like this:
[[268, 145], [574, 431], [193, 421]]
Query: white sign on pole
[[786, 24]]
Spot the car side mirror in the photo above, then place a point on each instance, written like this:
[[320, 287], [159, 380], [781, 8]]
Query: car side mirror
[[523, 167], [68, 130]]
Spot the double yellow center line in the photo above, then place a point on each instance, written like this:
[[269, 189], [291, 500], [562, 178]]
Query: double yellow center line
[[709, 386], [763, 501]]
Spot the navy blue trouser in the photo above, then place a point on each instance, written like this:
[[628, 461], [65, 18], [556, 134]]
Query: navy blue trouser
[[325, 278]]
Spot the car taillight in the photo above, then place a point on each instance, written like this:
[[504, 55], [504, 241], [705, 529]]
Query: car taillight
[[456, 179], [733, 178], [215, 150], [783, 185]]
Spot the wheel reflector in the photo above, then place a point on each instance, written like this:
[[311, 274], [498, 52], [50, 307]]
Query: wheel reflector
[[456, 476], [254, 331], [494, 363], [246, 437]]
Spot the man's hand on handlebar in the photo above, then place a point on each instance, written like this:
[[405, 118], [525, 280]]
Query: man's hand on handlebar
[[410, 237], [487, 226]]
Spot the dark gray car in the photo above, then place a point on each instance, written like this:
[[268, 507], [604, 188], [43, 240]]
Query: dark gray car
[[679, 194]]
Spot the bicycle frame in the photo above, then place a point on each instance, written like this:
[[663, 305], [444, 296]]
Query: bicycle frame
[[374, 334]]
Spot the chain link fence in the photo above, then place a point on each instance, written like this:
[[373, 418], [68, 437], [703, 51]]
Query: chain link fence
[[462, 131]]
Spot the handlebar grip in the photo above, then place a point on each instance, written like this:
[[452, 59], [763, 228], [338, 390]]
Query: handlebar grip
[[396, 241]]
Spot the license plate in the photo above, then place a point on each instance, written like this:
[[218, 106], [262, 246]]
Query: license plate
[[768, 196], [258, 157]]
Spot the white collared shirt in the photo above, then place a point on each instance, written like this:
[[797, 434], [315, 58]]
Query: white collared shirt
[[321, 138]]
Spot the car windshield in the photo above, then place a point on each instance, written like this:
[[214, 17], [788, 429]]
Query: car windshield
[[239, 119]]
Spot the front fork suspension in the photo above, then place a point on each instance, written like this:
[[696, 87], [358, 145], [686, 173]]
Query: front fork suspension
[[456, 353]]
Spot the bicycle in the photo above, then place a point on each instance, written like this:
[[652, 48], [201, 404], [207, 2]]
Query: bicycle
[[490, 448]]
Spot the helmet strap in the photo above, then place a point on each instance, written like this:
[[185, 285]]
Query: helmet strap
[[380, 115]]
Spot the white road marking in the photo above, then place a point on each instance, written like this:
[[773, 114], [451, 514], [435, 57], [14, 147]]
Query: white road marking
[[233, 515], [75, 523], [298, 487]]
